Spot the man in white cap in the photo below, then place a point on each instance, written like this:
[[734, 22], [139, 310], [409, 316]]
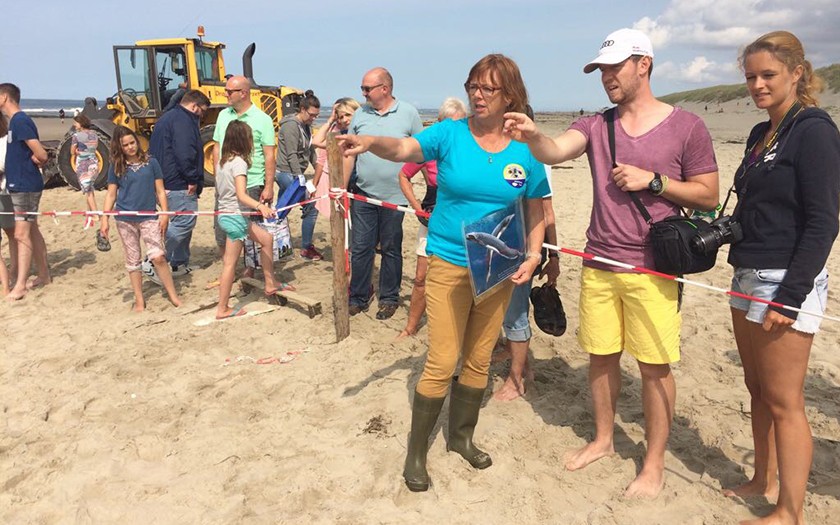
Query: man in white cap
[[665, 155]]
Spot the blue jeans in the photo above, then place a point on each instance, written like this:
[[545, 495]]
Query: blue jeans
[[516, 324], [371, 224], [308, 211], [179, 232]]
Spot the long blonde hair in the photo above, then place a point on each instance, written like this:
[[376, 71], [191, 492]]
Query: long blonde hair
[[788, 50]]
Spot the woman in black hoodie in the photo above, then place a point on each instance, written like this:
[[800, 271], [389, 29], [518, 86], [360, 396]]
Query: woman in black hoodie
[[788, 190]]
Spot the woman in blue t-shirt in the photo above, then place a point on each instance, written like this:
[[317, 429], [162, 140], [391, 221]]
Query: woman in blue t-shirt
[[480, 171], [135, 183]]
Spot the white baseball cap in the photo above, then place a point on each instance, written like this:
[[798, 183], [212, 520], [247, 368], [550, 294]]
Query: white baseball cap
[[619, 46]]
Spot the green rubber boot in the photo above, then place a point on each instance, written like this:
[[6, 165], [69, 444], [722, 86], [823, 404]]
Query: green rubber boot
[[424, 415], [464, 404]]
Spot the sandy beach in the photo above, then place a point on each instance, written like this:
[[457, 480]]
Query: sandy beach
[[114, 417]]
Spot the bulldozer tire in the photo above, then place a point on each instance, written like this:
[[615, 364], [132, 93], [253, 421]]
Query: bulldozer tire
[[66, 163], [207, 144]]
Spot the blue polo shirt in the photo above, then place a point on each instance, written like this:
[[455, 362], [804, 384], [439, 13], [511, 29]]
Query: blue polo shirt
[[136, 190], [378, 177], [473, 183], [22, 175]]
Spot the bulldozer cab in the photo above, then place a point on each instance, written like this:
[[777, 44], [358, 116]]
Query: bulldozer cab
[[148, 77]]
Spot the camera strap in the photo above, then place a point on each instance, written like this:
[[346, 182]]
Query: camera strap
[[778, 140], [609, 115]]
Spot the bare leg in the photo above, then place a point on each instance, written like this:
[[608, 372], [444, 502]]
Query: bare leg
[[659, 394], [266, 241], [23, 241], [39, 255], [605, 384], [4, 276], [232, 251], [165, 275], [782, 359], [13, 253], [515, 383], [136, 279], [418, 298], [763, 482]]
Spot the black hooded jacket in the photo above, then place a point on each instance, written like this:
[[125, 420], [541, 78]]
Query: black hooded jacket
[[789, 202]]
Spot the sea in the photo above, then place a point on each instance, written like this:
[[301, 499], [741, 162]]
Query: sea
[[49, 107]]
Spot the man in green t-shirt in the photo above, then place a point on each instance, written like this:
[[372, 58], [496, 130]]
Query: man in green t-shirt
[[240, 107]]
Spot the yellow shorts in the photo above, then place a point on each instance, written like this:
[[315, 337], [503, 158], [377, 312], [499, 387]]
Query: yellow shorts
[[635, 312]]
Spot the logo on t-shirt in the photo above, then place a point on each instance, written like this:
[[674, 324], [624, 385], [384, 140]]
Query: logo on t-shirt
[[514, 174]]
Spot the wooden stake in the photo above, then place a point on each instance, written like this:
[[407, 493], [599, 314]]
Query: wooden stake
[[335, 161]]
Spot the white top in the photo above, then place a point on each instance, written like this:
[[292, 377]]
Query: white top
[[226, 187]]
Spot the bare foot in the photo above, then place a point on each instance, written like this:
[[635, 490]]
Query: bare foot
[[16, 294], [212, 284], [590, 453], [37, 282], [138, 307], [176, 301], [753, 488], [511, 390], [773, 519], [647, 485], [405, 333]]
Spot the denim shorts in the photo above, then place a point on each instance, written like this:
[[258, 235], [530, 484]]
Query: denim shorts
[[516, 324], [26, 202], [234, 226], [764, 284]]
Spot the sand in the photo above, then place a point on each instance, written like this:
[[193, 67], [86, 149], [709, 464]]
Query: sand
[[113, 417]]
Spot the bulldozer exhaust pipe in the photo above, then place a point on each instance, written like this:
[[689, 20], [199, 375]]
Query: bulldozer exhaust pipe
[[247, 63]]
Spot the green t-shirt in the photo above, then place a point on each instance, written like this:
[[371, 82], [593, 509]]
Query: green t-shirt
[[262, 127]]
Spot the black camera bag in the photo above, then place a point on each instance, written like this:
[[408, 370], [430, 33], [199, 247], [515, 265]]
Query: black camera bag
[[670, 237], [672, 253]]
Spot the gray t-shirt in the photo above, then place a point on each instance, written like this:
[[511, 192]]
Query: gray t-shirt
[[226, 187]]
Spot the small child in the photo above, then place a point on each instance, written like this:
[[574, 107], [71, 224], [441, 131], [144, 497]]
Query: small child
[[134, 180], [83, 146], [232, 197]]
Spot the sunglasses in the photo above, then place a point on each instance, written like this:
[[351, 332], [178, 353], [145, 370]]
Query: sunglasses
[[232, 91], [313, 115], [368, 89]]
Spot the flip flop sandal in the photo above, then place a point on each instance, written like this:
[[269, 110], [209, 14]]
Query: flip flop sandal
[[102, 242]]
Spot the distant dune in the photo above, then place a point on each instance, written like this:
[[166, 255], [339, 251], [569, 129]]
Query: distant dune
[[736, 92]]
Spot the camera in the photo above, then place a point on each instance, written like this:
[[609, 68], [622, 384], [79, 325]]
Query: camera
[[721, 231]]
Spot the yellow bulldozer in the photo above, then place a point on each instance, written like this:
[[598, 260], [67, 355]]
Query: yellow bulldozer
[[149, 75]]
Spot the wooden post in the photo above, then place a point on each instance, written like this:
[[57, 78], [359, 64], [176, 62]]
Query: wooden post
[[341, 305]]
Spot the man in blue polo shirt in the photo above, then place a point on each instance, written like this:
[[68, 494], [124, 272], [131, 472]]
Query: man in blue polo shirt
[[24, 156], [383, 115]]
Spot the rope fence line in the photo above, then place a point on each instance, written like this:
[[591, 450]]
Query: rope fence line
[[342, 199]]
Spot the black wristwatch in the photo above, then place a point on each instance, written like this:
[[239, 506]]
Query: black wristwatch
[[655, 186]]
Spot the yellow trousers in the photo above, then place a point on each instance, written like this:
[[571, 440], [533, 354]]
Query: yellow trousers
[[459, 328]]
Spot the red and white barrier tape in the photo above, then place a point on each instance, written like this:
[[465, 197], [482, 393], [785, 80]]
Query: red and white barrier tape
[[342, 203], [641, 269]]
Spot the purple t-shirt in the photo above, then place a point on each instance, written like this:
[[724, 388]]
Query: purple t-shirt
[[679, 147]]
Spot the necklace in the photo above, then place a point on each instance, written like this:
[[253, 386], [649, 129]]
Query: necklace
[[775, 135], [490, 158]]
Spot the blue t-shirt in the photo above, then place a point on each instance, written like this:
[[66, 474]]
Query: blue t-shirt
[[22, 175], [136, 189], [377, 177], [473, 183]]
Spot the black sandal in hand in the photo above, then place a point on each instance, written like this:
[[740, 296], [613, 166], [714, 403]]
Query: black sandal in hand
[[102, 242]]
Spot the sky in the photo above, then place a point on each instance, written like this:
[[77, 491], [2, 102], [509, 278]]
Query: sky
[[63, 50]]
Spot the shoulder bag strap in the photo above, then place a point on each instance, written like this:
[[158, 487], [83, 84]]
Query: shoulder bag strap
[[609, 115]]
